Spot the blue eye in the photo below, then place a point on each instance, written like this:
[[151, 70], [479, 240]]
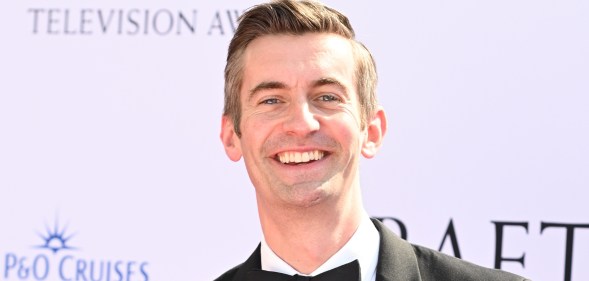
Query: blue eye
[[270, 101], [328, 98]]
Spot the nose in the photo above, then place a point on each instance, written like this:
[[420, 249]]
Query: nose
[[301, 120]]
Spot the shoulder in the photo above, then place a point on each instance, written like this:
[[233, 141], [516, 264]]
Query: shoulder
[[397, 256], [434, 265], [229, 275], [239, 272]]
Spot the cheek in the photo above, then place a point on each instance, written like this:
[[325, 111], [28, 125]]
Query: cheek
[[254, 134], [345, 127]]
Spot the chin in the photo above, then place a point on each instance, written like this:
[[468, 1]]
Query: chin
[[305, 196]]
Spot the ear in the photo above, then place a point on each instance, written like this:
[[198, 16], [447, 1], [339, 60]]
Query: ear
[[375, 131], [229, 138]]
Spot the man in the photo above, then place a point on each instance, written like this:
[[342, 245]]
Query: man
[[300, 108]]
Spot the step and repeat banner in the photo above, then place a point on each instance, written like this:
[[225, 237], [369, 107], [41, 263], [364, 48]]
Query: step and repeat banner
[[111, 166]]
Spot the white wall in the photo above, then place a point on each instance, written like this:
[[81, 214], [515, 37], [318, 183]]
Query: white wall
[[111, 132]]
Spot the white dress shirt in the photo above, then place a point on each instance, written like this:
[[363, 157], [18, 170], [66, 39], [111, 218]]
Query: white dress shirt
[[363, 246]]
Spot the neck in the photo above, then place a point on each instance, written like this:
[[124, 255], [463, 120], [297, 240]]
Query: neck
[[305, 237]]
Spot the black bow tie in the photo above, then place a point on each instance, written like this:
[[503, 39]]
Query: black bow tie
[[346, 272]]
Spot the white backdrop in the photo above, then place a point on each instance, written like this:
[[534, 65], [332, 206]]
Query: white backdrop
[[110, 115]]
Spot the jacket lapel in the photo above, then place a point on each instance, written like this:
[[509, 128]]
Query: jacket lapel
[[396, 258]]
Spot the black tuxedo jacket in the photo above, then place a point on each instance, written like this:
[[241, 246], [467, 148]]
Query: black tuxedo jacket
[[400, 261]]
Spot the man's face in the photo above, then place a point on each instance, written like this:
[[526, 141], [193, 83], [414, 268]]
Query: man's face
[[301, 134]]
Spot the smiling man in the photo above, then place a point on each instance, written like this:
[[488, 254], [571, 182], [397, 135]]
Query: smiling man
[[301, 109]]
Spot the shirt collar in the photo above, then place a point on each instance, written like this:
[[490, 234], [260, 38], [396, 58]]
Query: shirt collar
[[363, 246]]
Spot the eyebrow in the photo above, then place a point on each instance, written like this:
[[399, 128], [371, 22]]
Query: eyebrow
[[267, 85], [329, 81], [273, 85]]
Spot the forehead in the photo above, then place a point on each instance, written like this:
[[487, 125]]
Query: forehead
[[297, 60]]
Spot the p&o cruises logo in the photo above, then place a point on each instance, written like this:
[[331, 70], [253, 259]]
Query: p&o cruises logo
[[54, 258]]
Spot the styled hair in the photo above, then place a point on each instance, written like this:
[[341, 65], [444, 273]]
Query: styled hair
[[295, 18]]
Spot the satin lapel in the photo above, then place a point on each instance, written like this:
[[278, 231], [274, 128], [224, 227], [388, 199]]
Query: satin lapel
[[396, 258], [253, 262]]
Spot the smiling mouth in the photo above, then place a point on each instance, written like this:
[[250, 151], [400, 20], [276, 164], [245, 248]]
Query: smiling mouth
[[294, 157]]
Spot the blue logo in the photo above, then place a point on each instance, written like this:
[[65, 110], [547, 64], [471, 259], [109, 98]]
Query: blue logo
[[55, 239], [63, 265]]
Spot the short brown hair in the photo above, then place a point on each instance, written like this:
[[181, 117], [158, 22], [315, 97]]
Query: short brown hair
[[296, 18]]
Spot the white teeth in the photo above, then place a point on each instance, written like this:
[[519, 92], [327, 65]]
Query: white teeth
[[305, 157], [300, 157]]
